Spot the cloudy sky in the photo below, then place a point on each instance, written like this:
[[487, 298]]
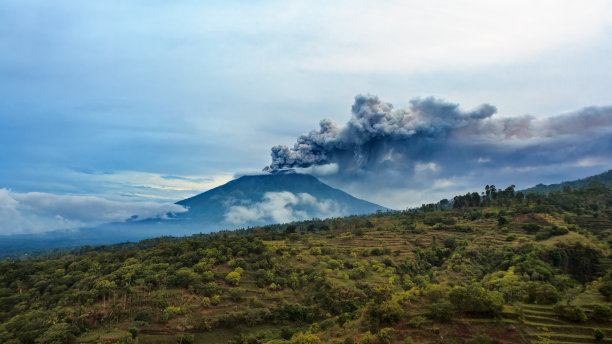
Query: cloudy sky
[[143, 103]]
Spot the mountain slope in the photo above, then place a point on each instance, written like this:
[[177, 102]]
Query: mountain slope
[[605, 178], [270, 198]]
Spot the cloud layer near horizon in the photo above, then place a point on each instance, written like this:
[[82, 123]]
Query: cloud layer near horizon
[[282, 207], [37, 212], [435, 144]]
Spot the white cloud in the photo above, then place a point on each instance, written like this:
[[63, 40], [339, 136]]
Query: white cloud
[[594, 161], [409, 36], [122, 185], [427, 167], [39, 212], [282, 207], [319, 170]]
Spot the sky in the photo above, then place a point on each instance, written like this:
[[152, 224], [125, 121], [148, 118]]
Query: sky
[[138, 104]]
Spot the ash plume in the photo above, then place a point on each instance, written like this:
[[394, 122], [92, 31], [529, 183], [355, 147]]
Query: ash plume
[[434, 141]]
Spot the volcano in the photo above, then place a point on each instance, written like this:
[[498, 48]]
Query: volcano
[[271, 198]]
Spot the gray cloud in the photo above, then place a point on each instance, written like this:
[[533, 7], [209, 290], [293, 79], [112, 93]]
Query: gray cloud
[[282, 207], [432, 143], [37, 212]]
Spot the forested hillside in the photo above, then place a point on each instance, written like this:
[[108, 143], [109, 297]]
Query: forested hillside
[[506, 267], [605, 178]]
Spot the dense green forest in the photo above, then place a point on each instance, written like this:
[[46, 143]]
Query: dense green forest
[[498, 267]]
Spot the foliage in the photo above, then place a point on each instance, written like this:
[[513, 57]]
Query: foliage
[[233, 278], [571, 313], [601, 313], [305, 338], [483, 339], [441, 310], [169, 313], [476, 299], [358, 275], [416, 321], [598, 334]]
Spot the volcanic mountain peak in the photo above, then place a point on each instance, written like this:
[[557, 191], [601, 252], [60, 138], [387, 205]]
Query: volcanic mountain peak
[[273, 197]]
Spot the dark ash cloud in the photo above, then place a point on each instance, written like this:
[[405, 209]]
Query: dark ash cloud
[[375, 123], [434, 143]]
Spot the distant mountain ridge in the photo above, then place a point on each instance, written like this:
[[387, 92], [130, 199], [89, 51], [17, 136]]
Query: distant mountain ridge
[[605, 178]]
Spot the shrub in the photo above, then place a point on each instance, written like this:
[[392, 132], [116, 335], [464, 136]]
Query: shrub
[[237, 294], [416, 322], [184, 277], [543, 294], [385, 335], [60, 333], [144, 315], [576, 314], [215, 300], [368, 338], [571, 313], [206, 302], [357, 272], [483, 339], [233, 278], [601, 313], [315, 251], [208, 276], [133, 331], [210, 288], [333, 264], [186, 339], [294, 237], [606, 289], [382, 313], [305, 338], [125, 338], [476, 299], [442, 310], [169, 313], [598, 334], [531, 227], [286, 333]]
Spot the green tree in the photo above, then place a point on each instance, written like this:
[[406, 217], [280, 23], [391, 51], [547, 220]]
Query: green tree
[[233, 278], [441, 310], [60, 333]]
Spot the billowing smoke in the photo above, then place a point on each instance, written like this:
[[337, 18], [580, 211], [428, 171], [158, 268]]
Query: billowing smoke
[[374, 130], [434, 142]]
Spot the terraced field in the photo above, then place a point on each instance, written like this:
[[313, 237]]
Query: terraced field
[[543, 326]]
